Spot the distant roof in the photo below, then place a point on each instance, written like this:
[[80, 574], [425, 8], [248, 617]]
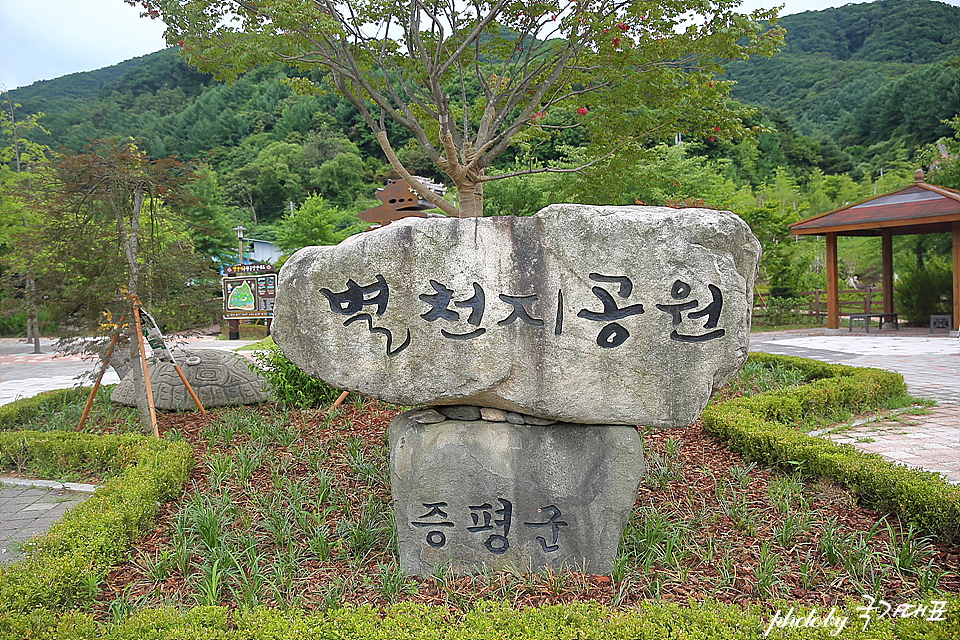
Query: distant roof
[[918, 208]]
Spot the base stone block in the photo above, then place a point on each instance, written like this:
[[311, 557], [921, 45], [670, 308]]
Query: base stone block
[[475, 494]]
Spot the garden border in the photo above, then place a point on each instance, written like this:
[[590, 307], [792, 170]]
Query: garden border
[[761, 427], [93, 535]]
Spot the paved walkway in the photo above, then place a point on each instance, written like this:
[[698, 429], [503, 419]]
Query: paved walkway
[[930, 366], [27, 511]]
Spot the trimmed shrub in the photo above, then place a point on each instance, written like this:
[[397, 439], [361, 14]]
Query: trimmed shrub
[[709, 620], [29, 408], [762, 427], [90, 538]]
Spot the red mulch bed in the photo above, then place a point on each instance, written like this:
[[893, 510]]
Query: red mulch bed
[[689, 498]]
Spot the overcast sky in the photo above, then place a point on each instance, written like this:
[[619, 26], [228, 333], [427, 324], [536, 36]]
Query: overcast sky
[[45, 39]]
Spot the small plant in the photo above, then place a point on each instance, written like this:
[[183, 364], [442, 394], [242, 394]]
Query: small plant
[[222, 467], [832, 543], [158, 566], [808, 571], [248, 460], [794, 523], [392, 582], [907, 549], [320, 544], [122, 605], [663, 470], [740, 476], [783, 491], [620, 567], [290, 385], [766, 572], [210, 582]]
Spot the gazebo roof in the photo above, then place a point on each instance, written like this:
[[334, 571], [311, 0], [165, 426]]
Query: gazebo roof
[[918, 208]]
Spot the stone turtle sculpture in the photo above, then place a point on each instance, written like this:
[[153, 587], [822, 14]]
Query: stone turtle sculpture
[[218, 378]]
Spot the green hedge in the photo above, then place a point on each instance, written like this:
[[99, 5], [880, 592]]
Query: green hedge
[[26, 409], [57, 567], [709, 620], [762, 428], [69, 451]]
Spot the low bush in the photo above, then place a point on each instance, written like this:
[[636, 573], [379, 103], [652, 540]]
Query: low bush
[[26, 409], [290, 385], [764, 428], [63, 451], [921, 293], [65, 566], [708, 620]]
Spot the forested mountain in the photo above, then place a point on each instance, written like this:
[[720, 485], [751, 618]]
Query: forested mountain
[[862, 74], [841, 112]]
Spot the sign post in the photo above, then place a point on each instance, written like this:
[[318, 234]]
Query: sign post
[[249, 291]]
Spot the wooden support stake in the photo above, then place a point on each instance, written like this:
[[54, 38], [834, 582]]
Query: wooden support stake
[[956, 276], [886, 262], [833, 295], [339, 401], [103, 368], [189, 389], [143, 366]]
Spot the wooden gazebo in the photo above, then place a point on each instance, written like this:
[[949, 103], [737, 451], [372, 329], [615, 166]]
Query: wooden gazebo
[[918, 208]]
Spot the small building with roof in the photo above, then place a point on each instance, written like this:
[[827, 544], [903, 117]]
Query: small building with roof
[[919, 208]]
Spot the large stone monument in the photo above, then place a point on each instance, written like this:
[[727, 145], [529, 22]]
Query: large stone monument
[[592, 317]]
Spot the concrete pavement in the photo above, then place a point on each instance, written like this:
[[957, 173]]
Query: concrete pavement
[[930, 366], [28, 511]]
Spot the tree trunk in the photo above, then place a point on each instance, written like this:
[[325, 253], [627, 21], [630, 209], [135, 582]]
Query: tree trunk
[[470, 196], [130, 237], [138, 379], [33, 325]]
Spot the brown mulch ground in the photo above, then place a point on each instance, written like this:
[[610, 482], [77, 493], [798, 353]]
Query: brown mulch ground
[[690, 501]]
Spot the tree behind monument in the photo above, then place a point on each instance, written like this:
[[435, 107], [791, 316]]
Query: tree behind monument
[[470, 80]]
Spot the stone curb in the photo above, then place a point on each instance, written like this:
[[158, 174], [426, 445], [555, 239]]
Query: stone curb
[[49, 484]]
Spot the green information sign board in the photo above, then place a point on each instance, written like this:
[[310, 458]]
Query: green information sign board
[[249, 291]]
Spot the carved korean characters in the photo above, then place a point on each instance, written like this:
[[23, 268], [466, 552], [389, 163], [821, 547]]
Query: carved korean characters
[[593, 315], [475, 494]]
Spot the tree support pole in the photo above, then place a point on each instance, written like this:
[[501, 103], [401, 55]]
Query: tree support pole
[[190, 390], [103, 369], [956, 276], [143, 367]]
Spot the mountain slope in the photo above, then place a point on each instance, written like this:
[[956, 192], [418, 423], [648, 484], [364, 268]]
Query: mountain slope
[[843, 71]]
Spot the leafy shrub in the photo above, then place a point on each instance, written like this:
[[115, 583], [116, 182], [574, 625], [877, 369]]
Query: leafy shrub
[[290, 385], [90, 538], [709, 620], [921, 293], [16, 413], [782, 310]]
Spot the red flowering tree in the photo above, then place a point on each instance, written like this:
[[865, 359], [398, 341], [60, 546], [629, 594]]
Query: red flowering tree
[[468, 79]]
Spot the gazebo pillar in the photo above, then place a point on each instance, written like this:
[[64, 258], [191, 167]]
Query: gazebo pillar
[[956, 275], [886, 241], [833, 294]]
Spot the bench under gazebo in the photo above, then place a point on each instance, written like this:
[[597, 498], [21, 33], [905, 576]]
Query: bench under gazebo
[[916, 209]]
